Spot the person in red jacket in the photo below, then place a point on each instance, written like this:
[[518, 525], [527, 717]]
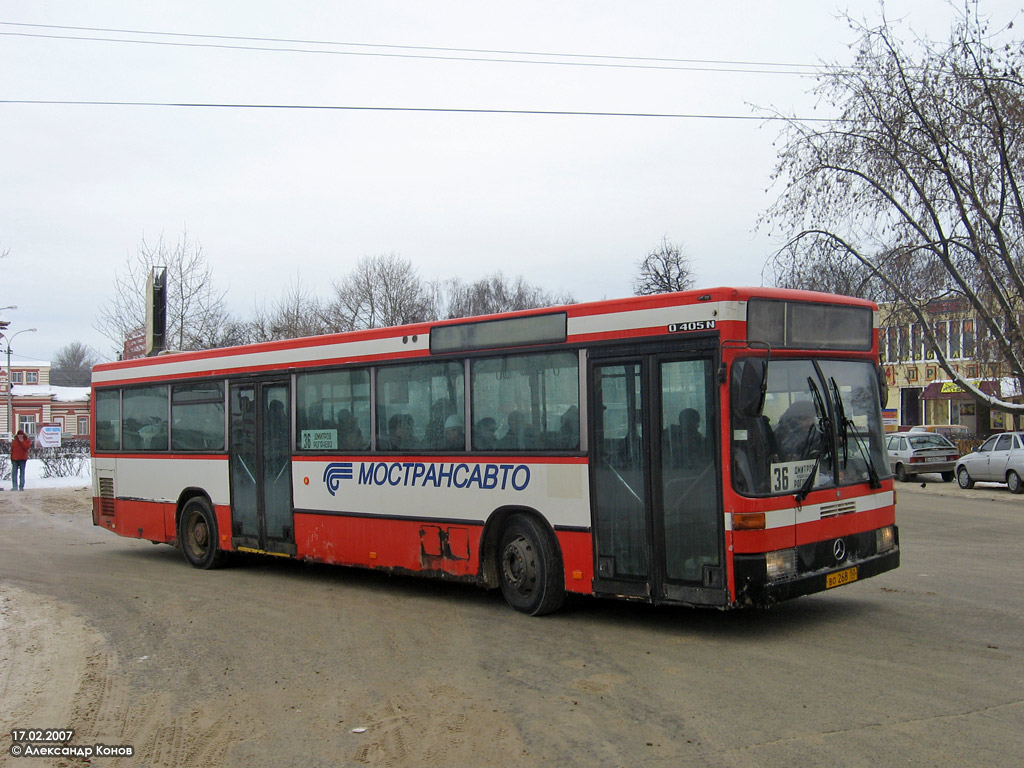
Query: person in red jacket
[[20, 447]]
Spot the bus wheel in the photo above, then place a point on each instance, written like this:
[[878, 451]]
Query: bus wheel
[[1013, 482], [197, 532], [529, 568]]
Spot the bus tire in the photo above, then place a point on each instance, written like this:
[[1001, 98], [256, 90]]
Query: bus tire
[[530, 568], [197, 532]]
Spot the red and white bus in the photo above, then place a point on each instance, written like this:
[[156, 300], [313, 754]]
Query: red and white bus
[[708, 448]]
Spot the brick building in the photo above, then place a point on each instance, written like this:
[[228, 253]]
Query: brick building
[[920, 390], [27, 401]]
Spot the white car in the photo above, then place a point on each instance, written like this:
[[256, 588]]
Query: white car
[[1000, 459], [911, 453]]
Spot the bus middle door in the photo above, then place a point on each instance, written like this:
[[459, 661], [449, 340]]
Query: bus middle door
[[260, 453]]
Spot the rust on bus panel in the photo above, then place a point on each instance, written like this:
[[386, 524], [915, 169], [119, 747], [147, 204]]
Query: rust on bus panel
[[438, 544]]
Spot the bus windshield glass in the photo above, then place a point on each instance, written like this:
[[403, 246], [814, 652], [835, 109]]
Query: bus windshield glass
[[820, 427]]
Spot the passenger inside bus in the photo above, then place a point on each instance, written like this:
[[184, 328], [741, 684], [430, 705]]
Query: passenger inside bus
[[315, 416], [485, 434], [520, 433], [350, 436], [439, 413], [277, 421], [400, 435], [687, 447], [454, 434], [569, 431], [797, 434]]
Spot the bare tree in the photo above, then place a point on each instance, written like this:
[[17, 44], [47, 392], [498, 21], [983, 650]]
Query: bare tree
[[298, 312], [196, 314], [381, 291], [72, 365], [664, 269], [491, 295], [917, 185], [237, 332]]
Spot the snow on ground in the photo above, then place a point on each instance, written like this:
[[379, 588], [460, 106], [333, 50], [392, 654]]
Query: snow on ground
[[34, 478]]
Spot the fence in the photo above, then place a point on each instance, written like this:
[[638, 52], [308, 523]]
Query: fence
[[68, 460]]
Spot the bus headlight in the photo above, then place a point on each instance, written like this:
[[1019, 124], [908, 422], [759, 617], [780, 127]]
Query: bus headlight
[[781, 564], [885, 539]]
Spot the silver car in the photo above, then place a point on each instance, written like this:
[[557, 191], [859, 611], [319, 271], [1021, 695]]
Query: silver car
[[1000, 459], [912, 453]]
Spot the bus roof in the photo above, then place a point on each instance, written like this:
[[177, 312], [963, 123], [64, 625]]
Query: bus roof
[[625, 318]]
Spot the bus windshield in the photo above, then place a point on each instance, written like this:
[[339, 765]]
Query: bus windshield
[[820, 427]]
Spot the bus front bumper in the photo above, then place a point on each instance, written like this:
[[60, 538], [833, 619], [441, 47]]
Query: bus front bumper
[[754, 588]]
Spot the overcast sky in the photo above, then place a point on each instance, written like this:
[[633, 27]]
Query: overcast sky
[[570, 202]]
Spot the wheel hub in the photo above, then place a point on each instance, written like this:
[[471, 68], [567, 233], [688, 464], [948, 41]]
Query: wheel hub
[[519, 565], [199, 535]]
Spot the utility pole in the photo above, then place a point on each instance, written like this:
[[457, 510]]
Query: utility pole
[[3, 327], [10, 384]]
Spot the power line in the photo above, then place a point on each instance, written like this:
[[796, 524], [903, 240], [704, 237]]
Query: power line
[[301, 41], [483, 54], [439, 110], [472, 59]]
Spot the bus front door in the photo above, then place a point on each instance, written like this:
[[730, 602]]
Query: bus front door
[[657, 510], [261, 492]]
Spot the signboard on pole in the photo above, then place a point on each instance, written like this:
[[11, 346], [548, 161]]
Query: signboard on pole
[[156, 310], [48, 436], [135, 344], [890, 419]]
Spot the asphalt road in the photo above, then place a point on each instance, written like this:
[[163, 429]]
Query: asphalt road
[[275, 662]]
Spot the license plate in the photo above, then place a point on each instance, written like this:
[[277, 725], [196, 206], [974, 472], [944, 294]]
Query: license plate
[[936, 458], [839, 578]]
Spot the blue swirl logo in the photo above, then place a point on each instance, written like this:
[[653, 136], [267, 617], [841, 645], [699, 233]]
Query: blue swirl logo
[[335, 472]]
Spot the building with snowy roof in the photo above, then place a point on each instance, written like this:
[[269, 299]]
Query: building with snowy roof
[[28, 402]]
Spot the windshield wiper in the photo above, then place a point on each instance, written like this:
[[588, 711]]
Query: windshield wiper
[[844, 424], [808, 484], [822, 423], [824, 428]]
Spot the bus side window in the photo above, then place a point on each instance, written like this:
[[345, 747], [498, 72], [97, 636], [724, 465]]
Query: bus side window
[[197, 417], [145, 418], [333, 409], [531, 399], [428, 394]]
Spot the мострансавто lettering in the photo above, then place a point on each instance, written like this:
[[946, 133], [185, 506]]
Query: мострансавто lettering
[[418, 474]]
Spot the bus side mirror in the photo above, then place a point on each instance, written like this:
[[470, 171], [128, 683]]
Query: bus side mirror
[[750, 382], [883, 387]]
